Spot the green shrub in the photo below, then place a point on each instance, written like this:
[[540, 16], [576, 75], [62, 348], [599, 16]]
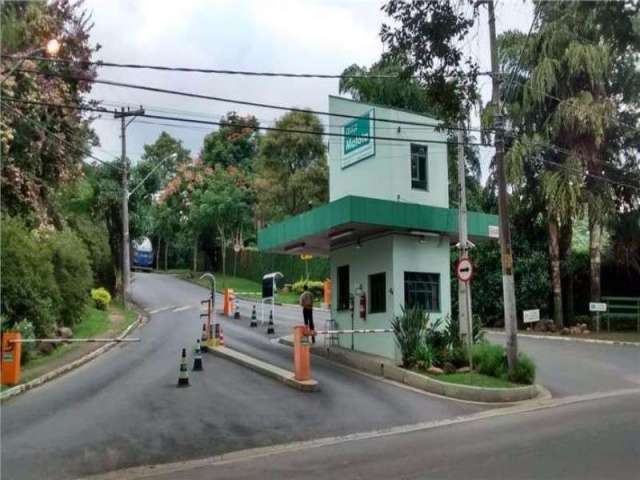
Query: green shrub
[[29, 289], [490, 359], [525, 371], [458, 356], [316, 287], [101, 297], [96, 239], [422, 356], [409, 330], [72, 272], [26, 329], [437, 340]]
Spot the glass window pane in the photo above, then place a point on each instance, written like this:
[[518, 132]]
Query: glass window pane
[[377, 293]]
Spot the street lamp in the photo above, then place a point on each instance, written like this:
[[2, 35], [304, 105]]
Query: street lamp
[[52, 48]]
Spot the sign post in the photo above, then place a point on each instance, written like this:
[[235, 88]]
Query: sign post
[[597, 307], [464, 272]]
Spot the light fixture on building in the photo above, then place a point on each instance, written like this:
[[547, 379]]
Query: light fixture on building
[[423, 233], [295, 247], [341, 234]]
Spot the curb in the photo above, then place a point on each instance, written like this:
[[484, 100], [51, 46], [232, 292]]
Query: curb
[[284, 376], [42, 379], [383, 367], [570, 339]]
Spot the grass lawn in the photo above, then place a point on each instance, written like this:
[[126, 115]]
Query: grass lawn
[[474, 379], [94, 323], [247, 288]]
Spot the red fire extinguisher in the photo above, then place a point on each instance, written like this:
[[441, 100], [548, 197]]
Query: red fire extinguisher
[[363, 306]]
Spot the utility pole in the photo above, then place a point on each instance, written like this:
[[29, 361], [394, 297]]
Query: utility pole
[[464, 288], [126, 263], [508, 285]]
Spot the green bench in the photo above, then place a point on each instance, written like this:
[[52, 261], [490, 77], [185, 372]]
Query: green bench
[[622, 308]]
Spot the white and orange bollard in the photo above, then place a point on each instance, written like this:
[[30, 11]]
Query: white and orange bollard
[[301, 353]]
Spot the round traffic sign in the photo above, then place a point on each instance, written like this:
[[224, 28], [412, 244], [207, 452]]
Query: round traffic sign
[[464, 270]]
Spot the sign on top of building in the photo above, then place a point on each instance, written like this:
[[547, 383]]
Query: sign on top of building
[[357, 141]]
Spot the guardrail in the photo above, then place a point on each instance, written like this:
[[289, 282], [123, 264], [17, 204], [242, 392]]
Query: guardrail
[[622, 308]]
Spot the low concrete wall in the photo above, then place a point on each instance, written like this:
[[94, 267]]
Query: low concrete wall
[[386, 368]]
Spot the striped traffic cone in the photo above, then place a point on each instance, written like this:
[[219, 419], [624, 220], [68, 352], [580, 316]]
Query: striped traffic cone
[[254, 319], [221, 338], [183, 378], [197, 358], [270, 329]]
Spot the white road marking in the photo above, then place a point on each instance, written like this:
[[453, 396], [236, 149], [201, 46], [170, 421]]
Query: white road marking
[[183, 308], [135, 473], [161, 309]]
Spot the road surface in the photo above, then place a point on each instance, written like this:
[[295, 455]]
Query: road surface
[[123, 409], [593, 440]]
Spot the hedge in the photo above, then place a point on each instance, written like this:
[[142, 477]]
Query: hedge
[[253, 264]]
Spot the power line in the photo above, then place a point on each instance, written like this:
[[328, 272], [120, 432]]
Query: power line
[[139, 66], [246, 102], [391, 140], [231, 124]]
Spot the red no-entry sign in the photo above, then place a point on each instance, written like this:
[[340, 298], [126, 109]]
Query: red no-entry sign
[[464, 270]]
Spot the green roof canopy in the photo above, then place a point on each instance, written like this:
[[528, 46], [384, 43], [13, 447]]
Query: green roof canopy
[[351, 218]]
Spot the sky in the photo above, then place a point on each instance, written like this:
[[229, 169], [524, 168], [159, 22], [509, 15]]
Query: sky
[[300, 36]]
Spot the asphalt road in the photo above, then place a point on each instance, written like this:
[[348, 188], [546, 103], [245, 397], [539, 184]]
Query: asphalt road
[[123, 409], [574, 368], [594, 440]]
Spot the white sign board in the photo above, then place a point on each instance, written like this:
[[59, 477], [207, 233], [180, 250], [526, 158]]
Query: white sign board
[[531, 316], [597, 307], [494, 231]]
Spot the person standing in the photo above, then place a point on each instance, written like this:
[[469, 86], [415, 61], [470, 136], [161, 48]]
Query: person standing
[[306, 302]]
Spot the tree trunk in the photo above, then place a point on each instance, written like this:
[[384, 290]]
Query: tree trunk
[[195, 254], [166, 255], [158, 253], [595, 245], [556, 279], [235, 263], [566, 239], [223, 251]]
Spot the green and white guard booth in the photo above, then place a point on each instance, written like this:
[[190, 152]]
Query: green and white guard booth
[[387, 229]]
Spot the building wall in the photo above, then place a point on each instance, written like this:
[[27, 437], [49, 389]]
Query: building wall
[[431, 256], [387, 174], [374, 256], [393, 254]]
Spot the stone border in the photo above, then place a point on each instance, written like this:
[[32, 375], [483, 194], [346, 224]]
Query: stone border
[[42, 379], [383, 367], [571, 339], [264, 368]]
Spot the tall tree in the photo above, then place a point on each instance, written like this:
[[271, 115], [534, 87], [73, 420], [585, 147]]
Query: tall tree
[[222, 204], [575, 76], [292, 171], [43, 146], [233, 144], [423, 37]]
